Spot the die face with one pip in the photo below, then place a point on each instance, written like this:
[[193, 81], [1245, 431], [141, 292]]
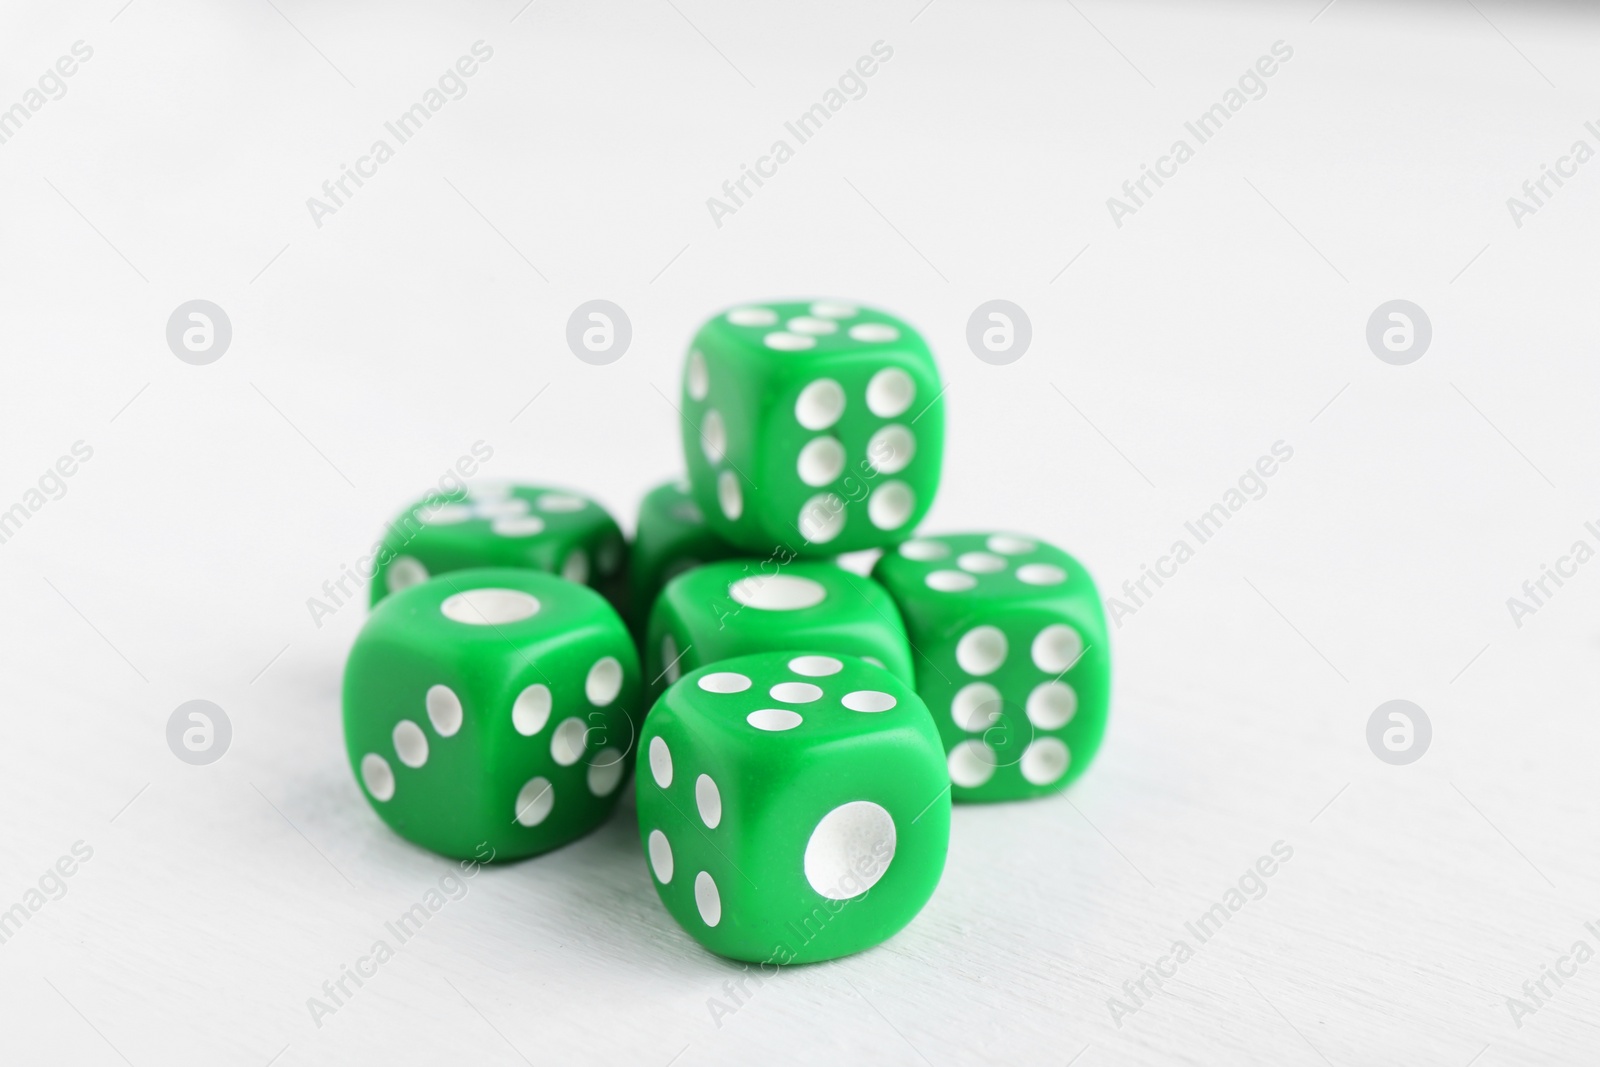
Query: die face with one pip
[[737, 607], [499, 524], [793, 806], [672, 537], [817, 426], [1011, 657], [492, 706]]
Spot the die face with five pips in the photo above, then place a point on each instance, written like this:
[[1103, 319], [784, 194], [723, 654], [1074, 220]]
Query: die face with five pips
[[1011, 658], [793, 806], [501, 525], [492, 706], [737, 607], [817, 426]]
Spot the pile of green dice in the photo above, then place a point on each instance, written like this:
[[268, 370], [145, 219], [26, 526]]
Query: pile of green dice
[[800, 728]]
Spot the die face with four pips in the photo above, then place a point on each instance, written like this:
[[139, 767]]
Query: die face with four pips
[[737, 607], [1011, 658], [817, 426], [495, 706], [501, 525], [672, 537], [793, 806]]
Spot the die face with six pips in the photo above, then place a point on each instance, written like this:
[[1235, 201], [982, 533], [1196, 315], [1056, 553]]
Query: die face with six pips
[[498, 524], [1011, 658], [492, 706], [793, 806], [815, 426]]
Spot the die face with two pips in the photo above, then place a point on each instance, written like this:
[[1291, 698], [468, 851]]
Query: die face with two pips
[[672, 537], [501, 525], [817, 426], [1011, 658], [737, 607], [793, 806], [492, 706]]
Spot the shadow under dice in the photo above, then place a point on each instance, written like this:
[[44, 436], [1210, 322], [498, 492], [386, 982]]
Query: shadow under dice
[[492, 706], [793, 806], [502, 525], [671, 537], [815, 426], [1011, 658], [738, 607]]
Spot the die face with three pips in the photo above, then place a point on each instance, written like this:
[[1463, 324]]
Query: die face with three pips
[[1011, 658], [816, 426], [492, 706], [737, 607], [793, 806], [499, 524]]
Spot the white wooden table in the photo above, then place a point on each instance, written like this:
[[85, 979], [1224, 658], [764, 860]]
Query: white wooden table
[[374, 344]]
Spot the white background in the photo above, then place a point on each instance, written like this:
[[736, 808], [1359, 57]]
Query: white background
[[1226, 315]]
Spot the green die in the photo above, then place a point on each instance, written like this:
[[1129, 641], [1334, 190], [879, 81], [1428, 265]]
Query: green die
[[492, 706], [1011, 658], [793, 806], [737, 607], [798, 427], [501, 525], [672, 537]]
